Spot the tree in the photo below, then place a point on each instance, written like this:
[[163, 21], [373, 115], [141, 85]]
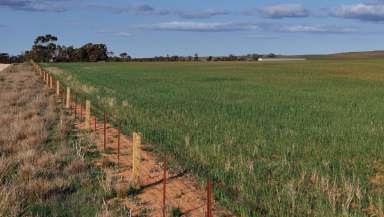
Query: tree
[[93, 52], [196, 57], [4, 58], [232, 57], [44, 48], [123, 55], [255, 57]]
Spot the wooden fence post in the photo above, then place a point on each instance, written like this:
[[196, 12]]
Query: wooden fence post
[[50, 82], [57, 88], [87, 114], [136, 158], [68, 97], [47, 80]]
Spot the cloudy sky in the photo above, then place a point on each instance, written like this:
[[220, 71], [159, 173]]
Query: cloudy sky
[[208, 27]]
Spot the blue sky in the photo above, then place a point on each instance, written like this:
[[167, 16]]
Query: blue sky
[[208, 27]]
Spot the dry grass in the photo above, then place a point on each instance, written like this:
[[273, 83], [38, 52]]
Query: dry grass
[[27, 116], [29, 171], [43, 168]]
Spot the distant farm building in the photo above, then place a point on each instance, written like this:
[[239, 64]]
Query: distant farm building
[[280, 59]]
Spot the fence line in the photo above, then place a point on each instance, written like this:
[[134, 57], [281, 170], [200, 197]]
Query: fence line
[[70, 99]]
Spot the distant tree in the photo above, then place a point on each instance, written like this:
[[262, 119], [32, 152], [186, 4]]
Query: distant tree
[[174, 58], [196, 57], [232, 57], [93, 52], [123, 55], [271, 55], [4, 58], [210, 58], [255, 57], [73, 54], [44, 47]]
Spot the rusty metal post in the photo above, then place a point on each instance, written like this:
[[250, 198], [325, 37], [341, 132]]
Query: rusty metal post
[[118, 144], [105, 130], [164, 184], [209, 197]]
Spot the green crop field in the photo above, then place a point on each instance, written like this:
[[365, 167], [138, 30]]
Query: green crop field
[[281, 139]]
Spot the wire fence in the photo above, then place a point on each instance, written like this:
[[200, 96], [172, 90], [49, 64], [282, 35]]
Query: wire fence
[[73, 98]]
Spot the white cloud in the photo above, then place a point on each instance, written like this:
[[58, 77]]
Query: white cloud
[[262, 37], [201, 26], [145, 9], [201, 14], [114, 33], [138, 9], [316, 29], [238, 26], [284, 10], [35, 5], [364, 12]]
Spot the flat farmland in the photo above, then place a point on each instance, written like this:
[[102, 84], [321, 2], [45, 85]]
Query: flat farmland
[[280, 139]]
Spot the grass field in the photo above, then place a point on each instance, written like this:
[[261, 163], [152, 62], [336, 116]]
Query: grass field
[[284, 139]]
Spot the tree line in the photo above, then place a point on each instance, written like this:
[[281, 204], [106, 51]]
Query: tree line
[[46, 49]]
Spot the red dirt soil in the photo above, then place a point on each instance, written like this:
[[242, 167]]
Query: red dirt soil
[[182, 191]]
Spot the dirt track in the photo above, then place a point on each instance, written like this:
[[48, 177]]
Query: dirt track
[[3, 66]]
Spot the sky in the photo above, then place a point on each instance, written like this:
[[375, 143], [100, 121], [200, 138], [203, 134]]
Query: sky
[[145, 28]]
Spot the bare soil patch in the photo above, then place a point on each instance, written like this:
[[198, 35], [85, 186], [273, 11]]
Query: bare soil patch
[[183, 191]]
